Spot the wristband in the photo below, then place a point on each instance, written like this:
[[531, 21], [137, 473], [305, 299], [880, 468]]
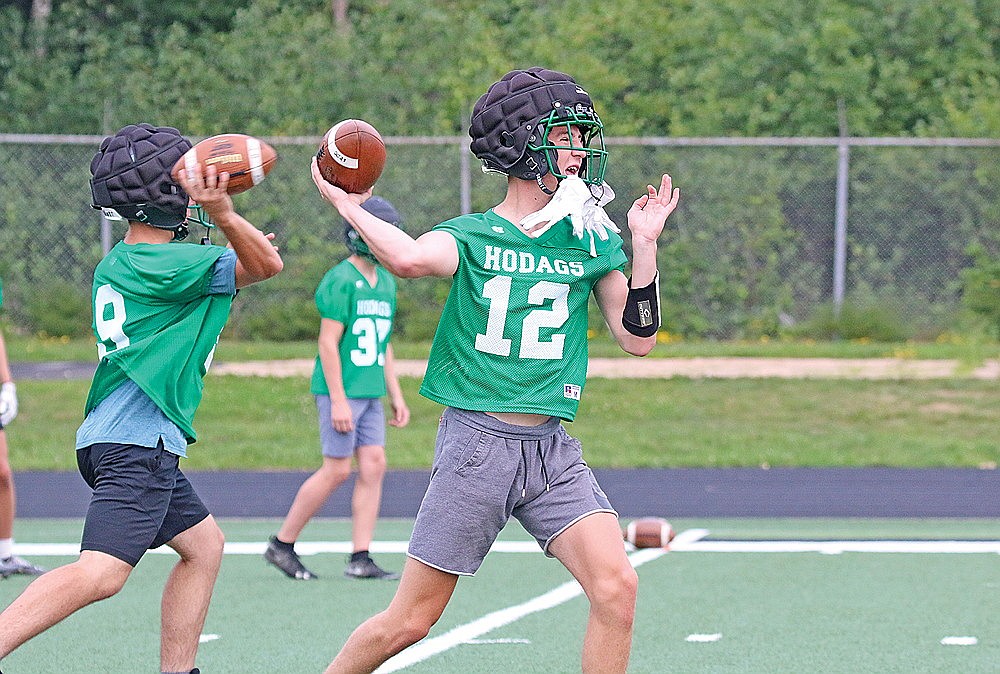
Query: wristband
[[641, 316]]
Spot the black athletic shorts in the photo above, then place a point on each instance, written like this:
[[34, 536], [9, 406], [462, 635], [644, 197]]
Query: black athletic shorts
[[141, 499]]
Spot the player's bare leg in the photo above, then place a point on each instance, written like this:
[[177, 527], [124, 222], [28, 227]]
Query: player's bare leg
[[312, 495], [58, 594], [592, 550], [7, 499], [420, 600], [187, 594], [367, 497]]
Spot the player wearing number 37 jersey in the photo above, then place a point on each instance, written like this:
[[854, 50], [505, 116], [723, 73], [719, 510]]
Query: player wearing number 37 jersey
[[509, 360], [354, 369]]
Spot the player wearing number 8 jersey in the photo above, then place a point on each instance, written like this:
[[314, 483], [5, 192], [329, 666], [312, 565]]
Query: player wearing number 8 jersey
[[146, 295], [159, 307], [509, 359]]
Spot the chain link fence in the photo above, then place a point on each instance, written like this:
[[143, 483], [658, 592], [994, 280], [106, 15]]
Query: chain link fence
[[766, 240]]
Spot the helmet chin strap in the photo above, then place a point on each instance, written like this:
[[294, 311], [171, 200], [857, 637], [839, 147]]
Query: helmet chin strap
[[542, 187]]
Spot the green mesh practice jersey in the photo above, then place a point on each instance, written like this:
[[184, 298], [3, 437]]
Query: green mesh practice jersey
[[513, 334], [156, 326], [344, 295]]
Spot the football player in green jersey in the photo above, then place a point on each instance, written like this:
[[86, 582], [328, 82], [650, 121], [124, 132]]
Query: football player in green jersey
[[354, 369], [159, 307], [10, 563], [509, 361]]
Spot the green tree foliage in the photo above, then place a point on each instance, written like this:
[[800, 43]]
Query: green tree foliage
[[903, 67], [692, 67], [749, 250]]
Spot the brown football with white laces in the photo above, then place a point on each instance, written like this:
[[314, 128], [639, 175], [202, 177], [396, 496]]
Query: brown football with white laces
[[246, 159], [351, 156]]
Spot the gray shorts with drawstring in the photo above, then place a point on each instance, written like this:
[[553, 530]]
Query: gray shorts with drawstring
[[486, 471]]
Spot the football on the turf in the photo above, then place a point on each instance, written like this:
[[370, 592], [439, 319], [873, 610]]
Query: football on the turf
[[649, 532], [246, 159], [351, 156]]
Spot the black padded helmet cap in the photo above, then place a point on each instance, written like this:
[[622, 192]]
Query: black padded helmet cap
[[131, 174], [506, 116]]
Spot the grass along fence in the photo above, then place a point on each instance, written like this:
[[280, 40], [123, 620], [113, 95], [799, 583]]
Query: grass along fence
[[265, 423]]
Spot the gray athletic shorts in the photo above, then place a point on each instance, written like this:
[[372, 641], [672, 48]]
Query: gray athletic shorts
[[486, 471], [141, 499], [369, 427]]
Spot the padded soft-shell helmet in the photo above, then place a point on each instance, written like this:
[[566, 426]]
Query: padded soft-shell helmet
[[512, 120], [131, 177]]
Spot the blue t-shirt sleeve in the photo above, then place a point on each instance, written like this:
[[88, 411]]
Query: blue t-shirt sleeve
[[223, 275]]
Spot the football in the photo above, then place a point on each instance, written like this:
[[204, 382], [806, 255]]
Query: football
[[246, 159], [649, 532], [351, 156]]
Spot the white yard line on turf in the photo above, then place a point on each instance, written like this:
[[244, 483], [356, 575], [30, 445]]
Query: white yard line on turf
[[476, 628]]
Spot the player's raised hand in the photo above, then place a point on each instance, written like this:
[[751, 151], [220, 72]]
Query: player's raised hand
[[209, 191], [649, 212], [331, 192]]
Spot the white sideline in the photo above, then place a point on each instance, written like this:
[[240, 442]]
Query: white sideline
[[688, 541], [838, 547]]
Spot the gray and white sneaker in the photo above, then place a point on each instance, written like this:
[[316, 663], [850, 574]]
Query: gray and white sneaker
[[286, 560], [15, 565], [367, 568]]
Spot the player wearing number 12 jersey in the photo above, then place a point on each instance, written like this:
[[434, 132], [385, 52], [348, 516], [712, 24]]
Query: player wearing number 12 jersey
[[509, 360], [528, 299], [159, 307]]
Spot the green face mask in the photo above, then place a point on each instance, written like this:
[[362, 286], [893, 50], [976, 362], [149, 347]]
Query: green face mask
[[592, 143], [196, 215]]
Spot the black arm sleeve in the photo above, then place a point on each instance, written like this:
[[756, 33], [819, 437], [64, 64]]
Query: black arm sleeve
[[641, 316]]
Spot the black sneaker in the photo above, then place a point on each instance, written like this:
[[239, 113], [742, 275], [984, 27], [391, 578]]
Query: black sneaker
[[367, 568], [286, 560]]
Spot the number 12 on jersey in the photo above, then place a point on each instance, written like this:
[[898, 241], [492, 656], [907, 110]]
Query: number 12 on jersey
[[497, 291]]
